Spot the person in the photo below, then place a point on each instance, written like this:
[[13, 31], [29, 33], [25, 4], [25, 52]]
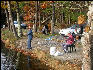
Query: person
[[69, 41], [74, 36], [81, 29], [45, 29], [30, 36]]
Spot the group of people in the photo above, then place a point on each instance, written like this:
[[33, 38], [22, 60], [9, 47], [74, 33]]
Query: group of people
[[69, 41]]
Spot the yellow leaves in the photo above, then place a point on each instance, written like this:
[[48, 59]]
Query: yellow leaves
[[3, 6], [41, 54], [87, 28], [12, 46], [81, 19], [13, 2], [7, 42]]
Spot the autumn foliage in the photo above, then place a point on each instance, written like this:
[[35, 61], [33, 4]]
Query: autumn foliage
[[44, 5], [81, 19], [26, 8]]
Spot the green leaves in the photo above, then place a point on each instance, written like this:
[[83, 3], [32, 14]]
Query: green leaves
[[47, 10], [21, 5]]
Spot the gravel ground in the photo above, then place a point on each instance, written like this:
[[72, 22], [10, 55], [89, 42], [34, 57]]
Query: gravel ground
[[45, 45]]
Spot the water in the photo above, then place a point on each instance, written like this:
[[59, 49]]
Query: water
[[12, 60]]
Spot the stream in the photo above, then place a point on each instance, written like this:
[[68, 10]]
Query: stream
[[13, 60]]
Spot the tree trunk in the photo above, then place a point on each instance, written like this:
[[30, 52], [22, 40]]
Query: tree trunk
[[53, 19], [11, 18], [62, 15], [62, 19], [86, 50], [39, 17], [39, 21], [69, 18], [56, 21], [36, 17], [43, 16], [18, 20], [87, 42], [7, 16]]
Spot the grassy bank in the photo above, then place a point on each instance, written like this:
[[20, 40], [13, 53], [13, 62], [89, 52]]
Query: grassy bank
[[8, 35]]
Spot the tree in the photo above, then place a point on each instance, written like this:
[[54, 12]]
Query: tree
[[11, 19], [18, 20], [7, 15], [53, 19], [39, 17], [87, 42], [36, 17]]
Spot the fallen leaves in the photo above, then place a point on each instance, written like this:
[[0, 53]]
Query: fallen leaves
[[46, 60]]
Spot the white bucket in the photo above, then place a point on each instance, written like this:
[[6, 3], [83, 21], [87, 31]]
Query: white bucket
[[52, 50], [58, 53]]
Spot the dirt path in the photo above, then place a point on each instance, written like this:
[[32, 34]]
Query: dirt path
[[45, 45]]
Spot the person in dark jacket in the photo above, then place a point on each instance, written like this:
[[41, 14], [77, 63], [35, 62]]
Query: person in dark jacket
[[30, 36], [81, 29], [45, 29]]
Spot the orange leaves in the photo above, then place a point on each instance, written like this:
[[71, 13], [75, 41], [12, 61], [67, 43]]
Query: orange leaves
[[3, 6], [27, 17], [81, 19], [87, 28], [44, 5], [30, 24], [26, 53], [26, 8], [21, 51]]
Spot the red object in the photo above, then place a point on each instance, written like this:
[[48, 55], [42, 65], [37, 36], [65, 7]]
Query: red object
[[70, 40]]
